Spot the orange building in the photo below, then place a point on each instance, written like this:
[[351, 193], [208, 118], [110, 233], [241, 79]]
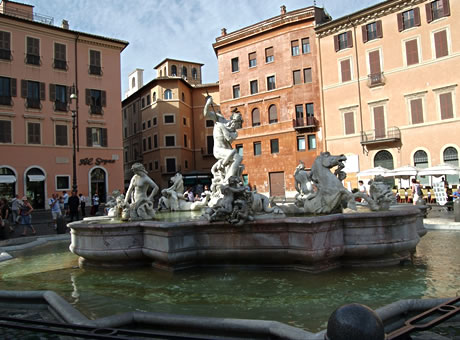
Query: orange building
[[390, 83], [41, 65], [163, 123], [268, 71]]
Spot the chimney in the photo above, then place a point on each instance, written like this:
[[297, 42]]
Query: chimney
[[65, 24], [223, 32], [283, 10]]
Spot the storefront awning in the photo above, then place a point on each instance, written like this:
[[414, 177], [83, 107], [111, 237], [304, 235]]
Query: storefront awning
[[36, 178], [7, 179]]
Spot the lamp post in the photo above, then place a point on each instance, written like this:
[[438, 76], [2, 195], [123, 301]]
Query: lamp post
[[74, 156]]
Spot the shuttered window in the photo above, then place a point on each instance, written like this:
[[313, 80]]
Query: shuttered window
[[412, 52], [296, 77], [445, 102], [255, 117], [272, 114], [416, 108], [374, 62], [269, 55], [5, 131], [61, 134], [379, 122], [33, 46], [440, 44], [97, 137], [372, 31], [307, 75], [33, 133], [5, 45], [437, 9], [343, 40], [348, 118], [345, 70]]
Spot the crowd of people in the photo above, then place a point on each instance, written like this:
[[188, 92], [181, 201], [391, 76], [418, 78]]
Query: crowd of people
[[200, 194]]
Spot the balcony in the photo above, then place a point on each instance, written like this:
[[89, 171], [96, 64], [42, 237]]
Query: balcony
[[95, 70], [33, 59], [5, 100], [5, 54], [29, 15], [375, 79], [95, 109], [33, 103], [60, 106], [60, 64], [305, 123], [392, 134]]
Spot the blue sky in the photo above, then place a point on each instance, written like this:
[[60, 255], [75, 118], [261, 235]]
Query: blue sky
[[178, 29]]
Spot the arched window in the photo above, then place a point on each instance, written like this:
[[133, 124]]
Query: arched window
[[194, 73], [168, 94], [421, 161], [35, 187], [384, 159], [7, 183], [161, 73], [154, 97], [255, 117], [183, 96], [272, 114], [184, 72], [174, 70], [164, 71], [450, 156], [133, 82]]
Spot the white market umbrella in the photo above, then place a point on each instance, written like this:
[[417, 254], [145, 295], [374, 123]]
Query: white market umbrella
[[404, 171], [440, 170], [377, 171]]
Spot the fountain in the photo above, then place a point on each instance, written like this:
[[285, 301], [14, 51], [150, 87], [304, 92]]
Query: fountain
[[320, 231]]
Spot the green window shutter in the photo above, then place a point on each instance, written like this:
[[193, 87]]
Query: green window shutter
[[23, 88], [52, 92], [42, 91], [104, 137], [13, 87], [89, 137]]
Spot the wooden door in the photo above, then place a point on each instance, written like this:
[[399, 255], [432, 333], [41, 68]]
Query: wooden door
[[277, 184]]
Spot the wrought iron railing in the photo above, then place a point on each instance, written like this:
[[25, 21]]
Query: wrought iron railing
[[95, 70], [16, 12], [60, 64], [308, 122], [33, 103], [375, 79], [372, 136], [32, 59], [5, 54], [95, 109], [60, 106], [5, 100]]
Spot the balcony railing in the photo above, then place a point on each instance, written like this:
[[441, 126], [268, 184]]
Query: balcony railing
[[5, 100], [60, 106], [16, 12], [33, 103], [302, 123], [32, 59], [392, 134], [60, 64], [375, 79], [5, 54], [96, 70], [95, 109]]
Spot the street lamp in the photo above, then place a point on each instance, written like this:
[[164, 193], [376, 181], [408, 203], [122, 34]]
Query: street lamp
[[74, 126]]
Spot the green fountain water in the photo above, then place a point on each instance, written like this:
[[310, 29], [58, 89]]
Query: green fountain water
[[295, 298]]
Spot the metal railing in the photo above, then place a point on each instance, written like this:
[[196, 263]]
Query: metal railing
[[29, 15], [60, 64], [372, 136], [60, 106], [32, 59], [95, 70], [5, 100], [33, 103], [5, 54], [95, 109], [308, 122], [375, 79]]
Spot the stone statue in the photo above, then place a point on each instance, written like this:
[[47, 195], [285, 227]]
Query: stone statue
[[381, 193], [115, 204], [140, 206], [303, 183], [173, 199]]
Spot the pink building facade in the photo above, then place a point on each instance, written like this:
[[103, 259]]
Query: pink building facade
[[41, 66]]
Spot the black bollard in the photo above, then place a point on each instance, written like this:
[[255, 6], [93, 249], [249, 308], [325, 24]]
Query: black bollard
[[457, 210]]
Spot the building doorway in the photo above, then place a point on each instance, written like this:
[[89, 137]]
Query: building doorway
[[277, 184], [7, 183], [98, 184], [35, 187], [384, 159]]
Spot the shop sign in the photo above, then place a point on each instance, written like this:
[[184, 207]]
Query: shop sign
[[97, 161]]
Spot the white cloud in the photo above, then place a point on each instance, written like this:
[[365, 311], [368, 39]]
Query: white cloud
[[178, 29]]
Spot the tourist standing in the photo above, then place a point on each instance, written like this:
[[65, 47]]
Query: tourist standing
[[65, 196], [95, 206], [74, 203], [25, 212], [416, 191], [5, 213], [82, 205], [55, 208], [15, 204]]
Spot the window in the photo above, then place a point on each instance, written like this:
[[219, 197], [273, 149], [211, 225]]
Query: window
[[186, 164], [5, 45], [342, 41], [436, 10], [143, 102], [156, 165], [445, 104], [62, 182], [271, 83], [349, 121], [61, 134], [96, 137], [239, 149], [252, 59], [296, 77], [126, 132], [300, 143], [144, 145], [375, 70], [149, 142], [185, 141], [184, 120], [154, 121], [95, 99], [305, 45], [168, 94], [170, 165], [269, 56], [210, 144], [255, 117], [154, 96], [194, 73], [33, 133], [299, 115], [155, 141], [149, 123], [33, 51], [295, 48], [167, 119], [408, 19], [7, 90], [253, 84], [174, 70], [379, 122], [420, 159], [411, 52], [235, 65], [450, 156], [135, 127], [440, 44], [150, 166], [170, 140], [236, 91], [372, 31], [272, 114], [33, 91], [307, 75], [345, 70], [148, 99], [184, 72], [143, 125], [58, 95], [310, 109], [209, 123], [183, 96], [257, 148], [274, 146], [5, 131], [95, 63], [311, 142], [60, 59]]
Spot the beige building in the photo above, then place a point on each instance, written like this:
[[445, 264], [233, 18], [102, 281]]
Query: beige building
[[163, 124], [41, 65], [390, 85]]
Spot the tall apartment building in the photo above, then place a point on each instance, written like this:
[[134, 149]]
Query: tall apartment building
[[41, 65], [164, 127], [390, 84], [268, 72]]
